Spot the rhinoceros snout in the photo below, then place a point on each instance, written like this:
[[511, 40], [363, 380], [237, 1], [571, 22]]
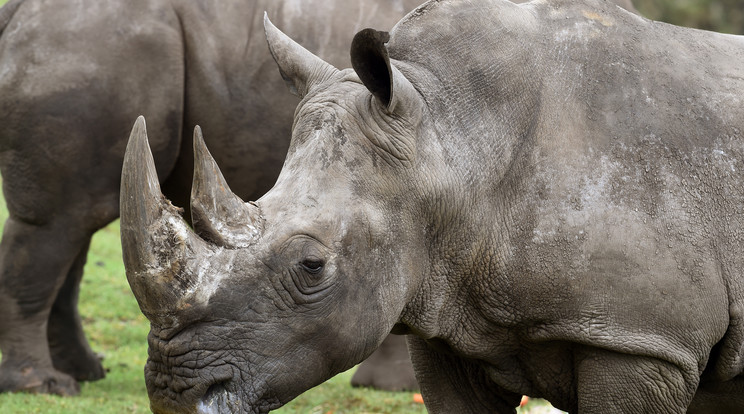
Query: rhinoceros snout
[[182, 389]]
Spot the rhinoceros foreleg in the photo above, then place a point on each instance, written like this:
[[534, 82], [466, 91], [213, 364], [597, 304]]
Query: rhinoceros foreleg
[[69, 348], [451, 384], [46, 252], [719, 397], [611, 382]]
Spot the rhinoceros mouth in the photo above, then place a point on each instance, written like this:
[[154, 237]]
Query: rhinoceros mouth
[[218, 399]]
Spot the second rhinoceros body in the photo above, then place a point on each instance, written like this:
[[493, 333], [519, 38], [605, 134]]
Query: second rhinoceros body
[[73, 75]]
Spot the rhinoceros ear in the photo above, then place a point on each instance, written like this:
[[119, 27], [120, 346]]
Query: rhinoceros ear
[[300, 69], [370, 60]]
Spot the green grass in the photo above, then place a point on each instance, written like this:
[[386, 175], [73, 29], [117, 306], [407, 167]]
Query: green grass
[[116, 328]]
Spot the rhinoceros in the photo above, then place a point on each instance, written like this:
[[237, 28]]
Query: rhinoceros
[[73, 76], [549, 197]]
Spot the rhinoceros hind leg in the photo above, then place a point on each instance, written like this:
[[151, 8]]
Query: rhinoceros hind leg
[[36, 380], [388, 368], [69, 348], [34, 261]]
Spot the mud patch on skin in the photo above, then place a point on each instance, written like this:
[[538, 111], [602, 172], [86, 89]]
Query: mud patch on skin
[[596, 17]]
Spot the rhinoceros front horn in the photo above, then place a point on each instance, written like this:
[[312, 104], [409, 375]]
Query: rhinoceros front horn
[[156, 241], [217, 214]]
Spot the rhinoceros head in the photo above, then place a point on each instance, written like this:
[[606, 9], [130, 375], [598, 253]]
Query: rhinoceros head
[[263, 300]]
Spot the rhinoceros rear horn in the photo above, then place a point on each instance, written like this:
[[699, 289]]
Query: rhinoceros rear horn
[[217, 214], [154, 237], [300, 69]]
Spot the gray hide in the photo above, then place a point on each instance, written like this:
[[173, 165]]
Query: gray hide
[[73, 76], [548, 196]]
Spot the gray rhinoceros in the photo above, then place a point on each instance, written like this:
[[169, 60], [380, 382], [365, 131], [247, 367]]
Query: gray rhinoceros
[[549, 197], [73, 75]]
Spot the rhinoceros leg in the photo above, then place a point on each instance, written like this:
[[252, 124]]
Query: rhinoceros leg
[[69, 348], [606, 379], [74, 81], [719, 397], [47, 252], [451, 384], [388, 368]]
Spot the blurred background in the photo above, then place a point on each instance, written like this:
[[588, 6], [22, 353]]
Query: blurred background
[[725, 16]]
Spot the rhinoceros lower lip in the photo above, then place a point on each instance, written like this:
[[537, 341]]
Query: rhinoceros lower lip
[[217, 400], [220, 399]]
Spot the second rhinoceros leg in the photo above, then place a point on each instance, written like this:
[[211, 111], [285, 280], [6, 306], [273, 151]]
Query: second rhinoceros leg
[[34, 262], [388, 368], [69, 348]]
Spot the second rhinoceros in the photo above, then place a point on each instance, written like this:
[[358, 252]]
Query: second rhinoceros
[[73, 75], [547, 196]]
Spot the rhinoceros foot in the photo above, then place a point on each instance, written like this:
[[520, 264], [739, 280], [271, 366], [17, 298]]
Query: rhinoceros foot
[[37, 381], [82, 366]]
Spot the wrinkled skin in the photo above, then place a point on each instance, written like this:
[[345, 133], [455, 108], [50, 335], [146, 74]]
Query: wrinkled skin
[[555, 212], [73, 75]]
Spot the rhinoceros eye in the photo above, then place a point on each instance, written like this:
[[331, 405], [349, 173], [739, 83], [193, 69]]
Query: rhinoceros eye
[[312, 266]]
